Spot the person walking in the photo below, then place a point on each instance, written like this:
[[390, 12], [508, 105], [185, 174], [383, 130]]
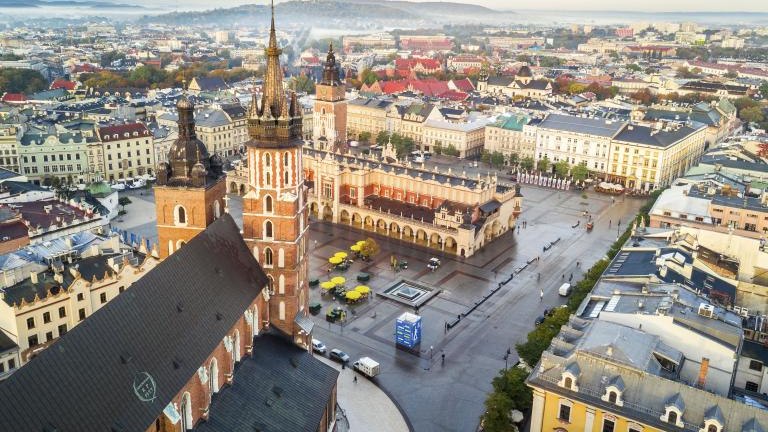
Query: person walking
[[541, 294], [355, 380], [442, 356], [609, 223]]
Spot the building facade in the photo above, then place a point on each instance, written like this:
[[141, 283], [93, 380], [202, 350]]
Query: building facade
[[367, 115], [44, 156], [511, 135], [330, 110], [9, 158], [576, 140], [127, 151]]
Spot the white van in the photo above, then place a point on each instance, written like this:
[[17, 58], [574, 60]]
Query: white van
[[565, 289]]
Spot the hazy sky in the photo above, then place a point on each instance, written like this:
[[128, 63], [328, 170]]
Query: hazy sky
[[603, 5]]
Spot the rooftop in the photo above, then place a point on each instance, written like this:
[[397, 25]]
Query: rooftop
[[582, 125]]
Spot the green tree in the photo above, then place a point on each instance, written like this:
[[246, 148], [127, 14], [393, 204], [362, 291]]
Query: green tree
[[367, 76], [561, 168], [438, 148], [497, 159], [497, 413], [108, 57], [382, 138], [302, 84], [764, 88], [451, 150], [731, 74], [543, 164], [147, 76], [527, 163], [634, 67], [579, 172], [370, 248], [365, 136], [485, 157], [745, 102], [123, 201], [21, 81], [514, 158], [684, 72], [752, 115]]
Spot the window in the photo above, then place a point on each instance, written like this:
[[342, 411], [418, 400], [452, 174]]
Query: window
[[286, 175], [565, 413], [268, 177], [80, 297], [712, 428], [268, 204], [672, 417], [120, 289], [608, 425], [568, 382], [62, 312], [268, 229], [612, 397], [751, 386], [103, 298], [755, 365], [30, 323], [46, 317], [634, 429], [62, 330], [81, 314], [181, 215], [11, 364], [48, 336], [285, 158], [32, 341], [268, 257]]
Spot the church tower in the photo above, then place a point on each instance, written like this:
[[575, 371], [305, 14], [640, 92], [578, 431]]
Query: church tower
[[190, 188], [330, 111], [275, 216]]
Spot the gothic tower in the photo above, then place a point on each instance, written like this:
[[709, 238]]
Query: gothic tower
[[190, 189], [275, 217], [330, 111]]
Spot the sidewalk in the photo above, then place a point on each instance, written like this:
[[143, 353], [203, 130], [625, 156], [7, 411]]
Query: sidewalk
[[367, 407]]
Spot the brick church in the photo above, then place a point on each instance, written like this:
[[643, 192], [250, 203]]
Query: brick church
[[215, 338]]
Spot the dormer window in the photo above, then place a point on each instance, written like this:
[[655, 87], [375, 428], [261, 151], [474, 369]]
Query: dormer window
[[714, 421], [569, 377], [613, 391], [673, 410]]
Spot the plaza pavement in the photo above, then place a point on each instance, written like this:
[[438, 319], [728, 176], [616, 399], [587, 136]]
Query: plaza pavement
[[450, 397]]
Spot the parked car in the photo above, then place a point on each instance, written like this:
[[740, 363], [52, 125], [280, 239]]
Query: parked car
[[118, 186], [539, 320], [564, 290], [433, 264], [338, 355], [318, 346], [367, 366]]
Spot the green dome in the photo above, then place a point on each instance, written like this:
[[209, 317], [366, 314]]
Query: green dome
[[99, 189]]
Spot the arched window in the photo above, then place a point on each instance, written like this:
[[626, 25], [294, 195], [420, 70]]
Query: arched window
[[170, 247], [612, 397], [286, 177], [186, 412], [281, 284], [268, 229], [281, 311], [256, 254], [268, 204], [286, 158], [712, 428], [179, 244], [180, 215], [268, 257], [568, 382], [213, 379], [267, 160], [281, 257], [672, 417], [268, 178], [216, 209]]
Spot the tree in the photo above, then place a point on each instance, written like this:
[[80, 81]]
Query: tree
[[634, 67], [752, 115], [438, 148], [302, 84], [21, 81], [147, 76], [365, 136], [684, 72], [579, 172], [561, 168], [543, 164], [731, 74], [108, 57], [764, 88], [485, 157], [514, 158], [370, 248], [643, 96], [497, 413], [367, 76], [497, 159], [745, 102], [527, 163], [451, 150], [123, 201], [382, 138]]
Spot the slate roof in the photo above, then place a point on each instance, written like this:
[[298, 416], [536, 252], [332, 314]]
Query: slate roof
[[582, 125], [501, 80], [6, 343], [6, 174], [164, 327], [658, 138], [280, 388], [210, 83]]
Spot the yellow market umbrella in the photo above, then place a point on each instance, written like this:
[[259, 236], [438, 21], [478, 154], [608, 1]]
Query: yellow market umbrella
[[353, 295], [355, 248], [338, 280], [362, 289], [328, 285], [335, 260], [341, 255], [360, 243]]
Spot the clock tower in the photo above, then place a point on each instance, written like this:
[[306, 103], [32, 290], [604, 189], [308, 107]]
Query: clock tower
[[275, 213], [330, 111]]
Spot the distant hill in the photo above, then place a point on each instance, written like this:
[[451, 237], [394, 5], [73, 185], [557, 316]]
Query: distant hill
[[328, 12], [64, 3]]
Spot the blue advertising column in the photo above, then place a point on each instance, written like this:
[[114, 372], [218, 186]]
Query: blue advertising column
[[408, 332]]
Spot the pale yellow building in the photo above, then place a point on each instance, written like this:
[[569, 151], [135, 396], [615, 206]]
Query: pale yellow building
[[47, 303], [9, 158], [127, 151], [466, 137], [367, 115], [222, 129], [511, 134]]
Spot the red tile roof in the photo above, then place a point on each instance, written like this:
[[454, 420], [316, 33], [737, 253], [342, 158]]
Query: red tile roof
[[464, 85], [62, 83], [407, 64], [454, 95], [14, 97], [118, 132]]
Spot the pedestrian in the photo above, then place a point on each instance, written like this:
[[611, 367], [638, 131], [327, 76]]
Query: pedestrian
[[343, 365], [355, 379], [570, 278], [538, 276], [609, 223], [563, 276], [578, 263], [442, 356], [541, 294]]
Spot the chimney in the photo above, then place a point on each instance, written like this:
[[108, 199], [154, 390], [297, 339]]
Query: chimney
[[33, 277], [703, 373]]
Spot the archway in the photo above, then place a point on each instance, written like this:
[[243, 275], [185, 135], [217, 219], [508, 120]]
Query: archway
[[313, 209], [327, 213], [357, 220], [213, 379], [407, 232], [381, 226], [435, 240], [512, 221], [421, 236], [496, 228], [233, 188], [394, 230], [488, 232], [450, 244], [186, 412], [344, 217], [242, 189], [369, 223]]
